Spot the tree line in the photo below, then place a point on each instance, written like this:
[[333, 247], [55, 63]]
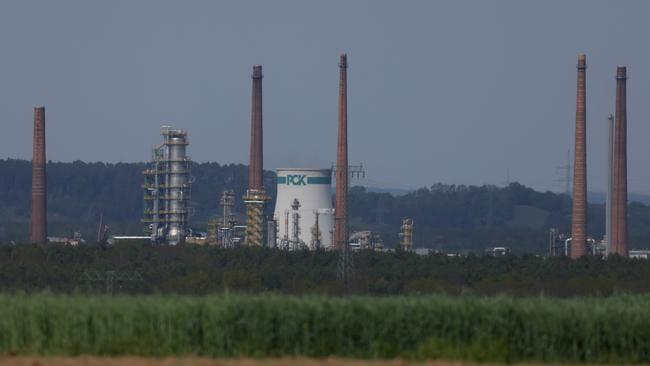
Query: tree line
[[199, 270]]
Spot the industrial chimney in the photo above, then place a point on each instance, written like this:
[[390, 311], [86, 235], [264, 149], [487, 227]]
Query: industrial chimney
[[618, 242], [341, 204], [579, 212], [38, 223], [255, 197], [610, 191]]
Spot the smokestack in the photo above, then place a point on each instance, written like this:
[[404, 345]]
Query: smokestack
[[38, 223], [579, 212], [256, 153], [610, 165], [255, 197], [341, 204], [618, 243]]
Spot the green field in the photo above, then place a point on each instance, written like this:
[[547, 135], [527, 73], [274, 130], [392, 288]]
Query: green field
[[605, 330]]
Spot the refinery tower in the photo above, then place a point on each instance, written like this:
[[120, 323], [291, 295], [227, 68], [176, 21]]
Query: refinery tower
[[167, 189]]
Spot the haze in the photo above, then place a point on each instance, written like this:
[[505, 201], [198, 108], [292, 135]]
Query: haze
[[453, 92]]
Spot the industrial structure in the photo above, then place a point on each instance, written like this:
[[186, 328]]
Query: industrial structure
[[304, 217], [167, 190], [256, 197], [366, 240], [341, 229], [224, 231], [608, 199], [304, 207], [579, 211], [560, 245], [618, 240], [38, 220], [271, 233], [341, 203], [406, 235]]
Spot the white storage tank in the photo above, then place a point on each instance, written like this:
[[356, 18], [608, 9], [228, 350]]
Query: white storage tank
[[303, 208]]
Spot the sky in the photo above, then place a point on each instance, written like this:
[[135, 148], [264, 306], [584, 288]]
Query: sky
[[462, 92]]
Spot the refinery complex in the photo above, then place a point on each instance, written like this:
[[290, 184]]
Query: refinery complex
[[311, 210]]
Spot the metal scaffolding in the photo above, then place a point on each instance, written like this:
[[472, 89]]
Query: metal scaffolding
[[167, 189]]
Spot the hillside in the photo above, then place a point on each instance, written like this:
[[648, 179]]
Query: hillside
[[447, 217]]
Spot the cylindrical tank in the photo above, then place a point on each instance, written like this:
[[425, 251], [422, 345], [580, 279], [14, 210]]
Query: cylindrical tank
[[313, 190]]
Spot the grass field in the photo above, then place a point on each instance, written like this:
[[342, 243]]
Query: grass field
[[192, 361], [606, 330]]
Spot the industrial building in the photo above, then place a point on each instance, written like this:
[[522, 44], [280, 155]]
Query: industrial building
[[303, 209], [167, 190]]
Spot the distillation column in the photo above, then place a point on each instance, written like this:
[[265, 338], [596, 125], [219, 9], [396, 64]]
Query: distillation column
[[167, 188], [178, 186]]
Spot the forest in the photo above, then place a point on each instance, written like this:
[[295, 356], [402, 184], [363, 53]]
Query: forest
[[454, 218]]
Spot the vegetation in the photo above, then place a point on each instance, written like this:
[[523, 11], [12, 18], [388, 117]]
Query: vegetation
[[447, 217], [195, 270], [613, 330]]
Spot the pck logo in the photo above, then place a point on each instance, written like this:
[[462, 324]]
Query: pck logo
[[296, 180]]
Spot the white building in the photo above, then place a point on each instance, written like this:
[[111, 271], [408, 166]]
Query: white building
[[303, 208]]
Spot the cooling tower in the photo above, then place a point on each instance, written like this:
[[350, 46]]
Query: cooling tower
[[312, 189]]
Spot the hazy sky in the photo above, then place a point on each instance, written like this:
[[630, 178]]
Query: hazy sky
[[452, 91]]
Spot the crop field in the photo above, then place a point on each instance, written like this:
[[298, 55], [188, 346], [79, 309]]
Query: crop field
[[588, 330], [192, 361]]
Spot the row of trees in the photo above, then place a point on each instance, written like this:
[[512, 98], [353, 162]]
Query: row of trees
[[196, 270]]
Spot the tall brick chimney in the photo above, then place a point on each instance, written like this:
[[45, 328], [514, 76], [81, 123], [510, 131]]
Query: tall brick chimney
[[255, 197], [38, 223], [618, 243], [341, 204], [256, 152], [579, 212]]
